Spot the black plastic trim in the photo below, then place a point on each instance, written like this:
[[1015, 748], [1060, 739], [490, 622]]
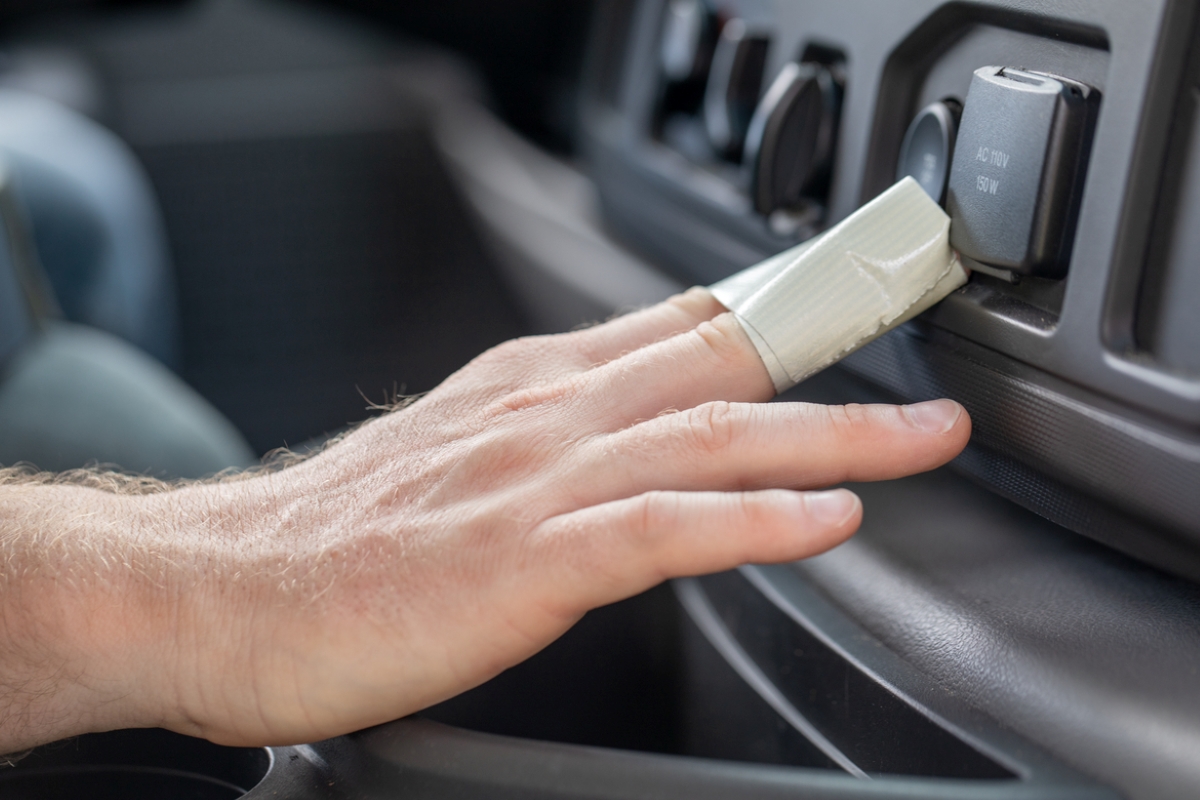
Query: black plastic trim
[[416, 759], [1053, 447], [857, 720]]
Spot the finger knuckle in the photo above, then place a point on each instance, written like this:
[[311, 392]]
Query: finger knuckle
[[722, 336], [850, 421], [658, 512], [755, 509], [536, 397], [695, 300], [498, 457], [711, 427]]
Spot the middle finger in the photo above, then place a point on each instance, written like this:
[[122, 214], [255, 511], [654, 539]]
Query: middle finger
[[739, 446]]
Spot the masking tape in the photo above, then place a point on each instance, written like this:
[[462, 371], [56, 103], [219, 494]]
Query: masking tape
[[816, 303]]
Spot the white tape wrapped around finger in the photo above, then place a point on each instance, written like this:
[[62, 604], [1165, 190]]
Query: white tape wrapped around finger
[[816, 303]]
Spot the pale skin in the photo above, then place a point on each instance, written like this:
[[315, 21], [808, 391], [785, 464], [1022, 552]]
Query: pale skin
[[435, 546]]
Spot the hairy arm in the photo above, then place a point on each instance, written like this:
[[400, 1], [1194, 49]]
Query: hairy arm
[[435, 546], [72, 575]]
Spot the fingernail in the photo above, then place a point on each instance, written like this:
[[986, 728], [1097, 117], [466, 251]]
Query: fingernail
[[831, 508], [936, 416]]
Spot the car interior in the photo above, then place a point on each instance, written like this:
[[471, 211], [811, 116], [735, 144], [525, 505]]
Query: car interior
[[235, 227]]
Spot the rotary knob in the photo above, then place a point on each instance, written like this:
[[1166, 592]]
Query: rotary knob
[[791, 137]]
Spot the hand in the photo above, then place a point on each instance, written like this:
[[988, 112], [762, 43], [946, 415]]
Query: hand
[[440, 544]]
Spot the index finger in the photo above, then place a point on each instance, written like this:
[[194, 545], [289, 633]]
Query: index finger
[[523, 363], [715, 360], [624, 334]]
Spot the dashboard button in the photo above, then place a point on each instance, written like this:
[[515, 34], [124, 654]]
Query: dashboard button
[[791, 137], [734, 81], [928, 147], [1018, 169], [682, 52]]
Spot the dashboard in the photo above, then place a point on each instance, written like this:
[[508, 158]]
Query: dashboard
[[1099, 405]]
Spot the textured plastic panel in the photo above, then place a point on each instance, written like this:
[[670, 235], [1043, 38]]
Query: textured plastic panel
[[848, 709], [1054, 430], [1085, 651]]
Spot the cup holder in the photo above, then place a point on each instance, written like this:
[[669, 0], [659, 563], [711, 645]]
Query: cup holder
[[135, 764]]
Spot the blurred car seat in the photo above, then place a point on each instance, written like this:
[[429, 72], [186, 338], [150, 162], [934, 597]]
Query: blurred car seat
[[73, 395], [97, 227]]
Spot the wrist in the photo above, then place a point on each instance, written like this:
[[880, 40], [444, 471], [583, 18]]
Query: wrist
[[67, 628], [115, 605], [214, 618]]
